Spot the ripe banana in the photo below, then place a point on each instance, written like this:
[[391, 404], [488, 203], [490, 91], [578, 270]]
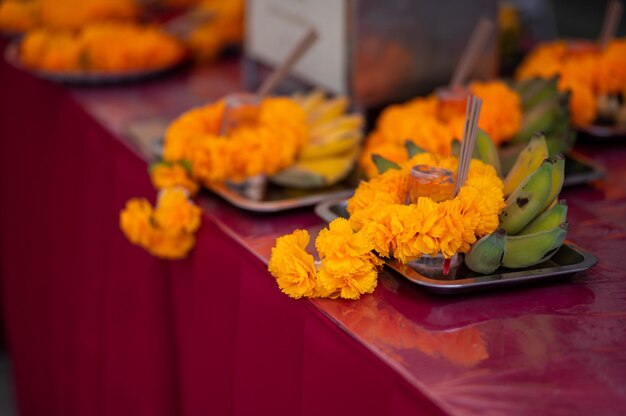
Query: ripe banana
[[487, 253], [530, 249], [527, 162], [486, 151], [558, 176], [527, 200], [548, 219]]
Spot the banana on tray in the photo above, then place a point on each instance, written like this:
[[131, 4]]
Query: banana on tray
[[334, 142], [533, 225]]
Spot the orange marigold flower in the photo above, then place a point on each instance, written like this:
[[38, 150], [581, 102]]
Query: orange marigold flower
[[169, 176], [175, 214], [292, 266], [135, 221]]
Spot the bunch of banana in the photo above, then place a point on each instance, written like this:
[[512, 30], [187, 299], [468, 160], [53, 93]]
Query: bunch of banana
[[544, 109], [533, 224], [333, 145]]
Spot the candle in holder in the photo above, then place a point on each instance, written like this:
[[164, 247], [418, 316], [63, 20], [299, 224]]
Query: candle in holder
[[429, 181]]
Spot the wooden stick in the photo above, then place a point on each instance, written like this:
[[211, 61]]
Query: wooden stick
[[612, 18], [302, 46], [480, 36]]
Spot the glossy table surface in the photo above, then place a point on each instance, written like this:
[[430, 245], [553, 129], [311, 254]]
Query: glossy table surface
[[552, 348]]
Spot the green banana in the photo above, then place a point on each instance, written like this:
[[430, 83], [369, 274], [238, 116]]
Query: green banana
[[539, 91], [412, 149], [548, 219], [485, 150], [486, 254], [383, 164], [542, 117], [527, 162], [558, 176], [530, 249], [527, 200]]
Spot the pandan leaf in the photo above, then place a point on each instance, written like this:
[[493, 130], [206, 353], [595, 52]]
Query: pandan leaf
[[412, 149], [383, 164]]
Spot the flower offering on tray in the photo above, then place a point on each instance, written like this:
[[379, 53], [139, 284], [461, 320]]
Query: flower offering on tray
[[21, 15], [104, 47], [595, 77]]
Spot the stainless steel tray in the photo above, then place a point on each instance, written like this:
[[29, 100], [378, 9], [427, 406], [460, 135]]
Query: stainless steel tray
[[277, 198], [604, 132], [93, 78], [580, 170], [568, 260]]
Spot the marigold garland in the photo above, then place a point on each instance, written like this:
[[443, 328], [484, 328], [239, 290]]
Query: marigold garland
[[105, 46], [587, 73], [432, 125], [23, 15], [269, 145], [381, 221], [166, 231]]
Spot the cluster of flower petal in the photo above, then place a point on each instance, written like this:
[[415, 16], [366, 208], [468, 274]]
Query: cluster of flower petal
[[23, 15], [348, 267], [169, 175], [103, 46], [427, 227], [432, 123], [586, 72], [266, 146], [381, 221], [165, 231]]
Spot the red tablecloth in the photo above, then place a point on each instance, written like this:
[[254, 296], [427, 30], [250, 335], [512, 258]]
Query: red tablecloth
[[97, 326]]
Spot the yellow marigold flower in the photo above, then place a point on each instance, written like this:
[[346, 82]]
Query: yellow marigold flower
[[170, 176], [166, 231], [292, 266], [104, 46], [135, 221], [348, 267], [501, 115], [19, 15], [611, 69], [267, 146], [175, 214], [432, 125], [172, 247], [70, 14]]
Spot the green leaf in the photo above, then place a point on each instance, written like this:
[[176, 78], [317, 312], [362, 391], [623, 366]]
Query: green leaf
[[412, 149], [383, 164]]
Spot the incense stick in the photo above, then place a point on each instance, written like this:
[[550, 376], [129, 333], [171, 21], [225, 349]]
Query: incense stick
[[472, 114], [302, 46], [481, 34], [612, 17]]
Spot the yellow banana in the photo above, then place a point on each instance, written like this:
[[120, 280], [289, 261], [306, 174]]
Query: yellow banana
[[530, 249], [527, 162], [332, 148], [527, 200], [316, 173]]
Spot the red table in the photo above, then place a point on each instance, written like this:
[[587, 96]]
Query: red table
[[97, 326]]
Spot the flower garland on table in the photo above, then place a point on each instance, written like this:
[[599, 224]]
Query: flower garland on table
[[380, 221], [104, 46], [589, 74], [23, 15], [432, 124], [165, 231], [270, 144]]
